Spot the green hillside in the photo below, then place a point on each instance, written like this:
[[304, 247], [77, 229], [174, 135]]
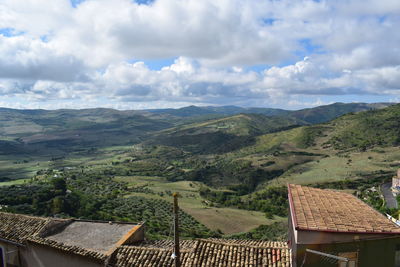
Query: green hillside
[[314, 115], [367, 129], [60, 131], [231, 171], [327, 113], [223, 134]]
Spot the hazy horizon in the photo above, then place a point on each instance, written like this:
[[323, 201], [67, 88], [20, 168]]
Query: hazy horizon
[[200, 106]]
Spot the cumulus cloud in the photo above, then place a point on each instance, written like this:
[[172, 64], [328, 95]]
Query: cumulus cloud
[[99, 49], [183, 80], [32, 59]]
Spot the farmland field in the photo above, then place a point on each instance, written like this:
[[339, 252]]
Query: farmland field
[[230, 171], [227, 220]]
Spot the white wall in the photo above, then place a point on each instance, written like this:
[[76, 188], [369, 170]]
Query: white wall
[[41, 256]]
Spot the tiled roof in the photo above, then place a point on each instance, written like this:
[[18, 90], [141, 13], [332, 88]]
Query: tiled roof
[[22, 228], [205, 252], [17, 228], [166, 244], [332, 211], [200, 252]]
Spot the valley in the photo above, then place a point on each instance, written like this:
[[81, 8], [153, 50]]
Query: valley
[[230, 168]]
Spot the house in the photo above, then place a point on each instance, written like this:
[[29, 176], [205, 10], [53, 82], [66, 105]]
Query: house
[[327, 227], [396, 183], [36, 241], [27, 241]]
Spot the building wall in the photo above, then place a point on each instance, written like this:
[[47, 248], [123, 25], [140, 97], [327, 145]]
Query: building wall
[[371, 253], [318, 237], [41, 256], [292, 239], [395, 182], [10, 253], [373, 249]]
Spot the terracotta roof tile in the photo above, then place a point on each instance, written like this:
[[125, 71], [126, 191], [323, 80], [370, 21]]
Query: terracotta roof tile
[[205, 252], [17, 227], [23, 228], [327, 210]]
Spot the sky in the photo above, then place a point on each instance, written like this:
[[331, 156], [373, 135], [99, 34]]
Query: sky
[[141, 54]]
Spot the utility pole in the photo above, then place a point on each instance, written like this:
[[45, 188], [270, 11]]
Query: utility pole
[[177, 253]]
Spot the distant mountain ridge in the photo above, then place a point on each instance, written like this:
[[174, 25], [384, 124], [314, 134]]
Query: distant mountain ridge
[[221, 110], [314, 115], [326, 112], [68, 129]]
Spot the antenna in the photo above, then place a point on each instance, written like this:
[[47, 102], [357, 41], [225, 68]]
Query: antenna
[[177, 254]]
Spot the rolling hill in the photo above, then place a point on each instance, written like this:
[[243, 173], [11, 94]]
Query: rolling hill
[[314, 115], [327, 113], [367, 129], [229, 168], [223, 134], [66, 130]]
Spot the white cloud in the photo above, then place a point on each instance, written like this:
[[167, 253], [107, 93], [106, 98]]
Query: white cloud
[[100, 49], [218, 32], [35, 17], [183, 80], [25, 58]]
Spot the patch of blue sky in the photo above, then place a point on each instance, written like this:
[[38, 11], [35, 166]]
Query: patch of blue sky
[[144, 2], [308, 48], [269, 21], [382, 19], [75, 3], [259, 68], [155, 64], [10, 32], [44, 38]]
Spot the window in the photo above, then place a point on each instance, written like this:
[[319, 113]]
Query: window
[[2, 257], [352, 256]]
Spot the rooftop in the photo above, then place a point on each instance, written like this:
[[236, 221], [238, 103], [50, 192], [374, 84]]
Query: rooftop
[[87, 238], [17, 228], [205, 252], [105, 242], [97, 236], [315, 209]]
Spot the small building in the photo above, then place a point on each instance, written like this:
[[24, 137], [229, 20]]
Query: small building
[[327, 227], [396, 183], [36, 241]]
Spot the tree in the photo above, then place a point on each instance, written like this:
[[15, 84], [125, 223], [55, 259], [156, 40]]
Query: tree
[[59, 185]]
